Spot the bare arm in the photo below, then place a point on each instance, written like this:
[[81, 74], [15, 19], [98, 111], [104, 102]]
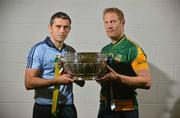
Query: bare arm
[[142, 80], [33, 80]]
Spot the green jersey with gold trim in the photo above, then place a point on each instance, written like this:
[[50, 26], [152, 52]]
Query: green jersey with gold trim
[[125, 57]]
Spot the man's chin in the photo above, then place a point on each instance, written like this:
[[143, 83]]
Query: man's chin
[[111, 36], [61, 39]]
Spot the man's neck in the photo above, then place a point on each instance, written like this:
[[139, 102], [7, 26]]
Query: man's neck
[[115, 40], [57, 44]]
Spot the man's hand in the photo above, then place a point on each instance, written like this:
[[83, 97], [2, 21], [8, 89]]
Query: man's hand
[[112, 75], [63, 79]]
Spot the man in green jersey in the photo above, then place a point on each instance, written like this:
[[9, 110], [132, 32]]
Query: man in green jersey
[[127, 70]]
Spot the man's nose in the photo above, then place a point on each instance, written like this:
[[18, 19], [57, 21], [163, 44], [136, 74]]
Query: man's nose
[[62, 29], [109, 26]]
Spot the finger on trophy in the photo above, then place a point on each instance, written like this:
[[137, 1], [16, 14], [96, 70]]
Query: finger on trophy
[[110, 69]]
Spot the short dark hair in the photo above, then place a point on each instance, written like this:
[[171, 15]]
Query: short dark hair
[[59, 15]]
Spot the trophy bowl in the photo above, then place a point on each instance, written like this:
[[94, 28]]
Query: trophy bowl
[[84, 65]]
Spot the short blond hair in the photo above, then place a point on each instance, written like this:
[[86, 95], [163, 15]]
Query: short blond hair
[[119, 12]]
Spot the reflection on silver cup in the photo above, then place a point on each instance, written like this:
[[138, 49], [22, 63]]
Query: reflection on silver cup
[[84, 65]]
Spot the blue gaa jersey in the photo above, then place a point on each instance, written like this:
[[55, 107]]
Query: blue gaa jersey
[[42, 57]]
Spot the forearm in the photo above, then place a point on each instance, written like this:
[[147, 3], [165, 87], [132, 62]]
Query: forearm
[[137, 81], [33, 79], [36, 82]]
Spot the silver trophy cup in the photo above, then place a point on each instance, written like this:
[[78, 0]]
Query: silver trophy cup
[[85, 65]]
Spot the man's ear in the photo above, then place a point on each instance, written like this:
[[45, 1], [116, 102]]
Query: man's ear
[[123, 22], [49, 28]]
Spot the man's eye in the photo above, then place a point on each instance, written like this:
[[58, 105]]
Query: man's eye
[[58, 27], [66, 27]]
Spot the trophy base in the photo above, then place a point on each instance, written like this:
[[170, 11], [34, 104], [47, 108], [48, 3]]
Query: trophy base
[[82, 78]]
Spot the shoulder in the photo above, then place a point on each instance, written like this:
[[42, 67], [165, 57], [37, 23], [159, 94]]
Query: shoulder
[[37, 49], [134, 50], [132, 45], [38, 45]]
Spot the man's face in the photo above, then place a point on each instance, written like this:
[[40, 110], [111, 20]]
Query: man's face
[[113, 26], [60, 29]]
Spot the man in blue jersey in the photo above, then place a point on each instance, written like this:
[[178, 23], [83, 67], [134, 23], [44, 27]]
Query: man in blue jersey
[[39, 73], [128, 70]]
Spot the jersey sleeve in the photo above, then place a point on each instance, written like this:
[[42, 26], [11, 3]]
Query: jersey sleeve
[[34, 58], [140, 62]]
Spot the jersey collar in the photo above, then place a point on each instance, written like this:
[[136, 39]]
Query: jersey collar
[[119, 41], [51, 44]]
